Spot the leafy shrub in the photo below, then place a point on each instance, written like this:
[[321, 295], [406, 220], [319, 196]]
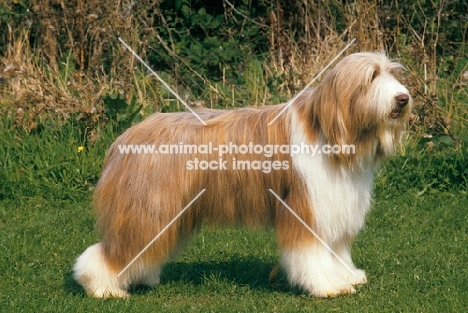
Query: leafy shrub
[[199, 40], [439, 163]]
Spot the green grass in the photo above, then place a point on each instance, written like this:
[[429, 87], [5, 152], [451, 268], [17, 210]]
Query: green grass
[[414, 246]]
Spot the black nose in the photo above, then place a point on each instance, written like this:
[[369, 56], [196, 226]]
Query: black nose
[[402, 100]]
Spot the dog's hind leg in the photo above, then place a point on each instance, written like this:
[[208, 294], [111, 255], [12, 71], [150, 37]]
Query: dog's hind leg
[[97, 275], [148, 273], [150, 276]]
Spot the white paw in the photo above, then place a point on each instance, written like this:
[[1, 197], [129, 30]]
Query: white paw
[[106, 293], [357, 277], [333, 292]]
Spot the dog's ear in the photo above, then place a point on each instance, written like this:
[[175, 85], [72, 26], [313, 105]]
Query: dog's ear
[[339, 107], [332, 106], [328, 113]]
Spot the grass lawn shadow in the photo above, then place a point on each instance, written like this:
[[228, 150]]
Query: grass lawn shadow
[[70, 285], [251, 272], [244, 271]]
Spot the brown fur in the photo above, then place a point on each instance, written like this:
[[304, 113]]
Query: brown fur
[[156, 187]]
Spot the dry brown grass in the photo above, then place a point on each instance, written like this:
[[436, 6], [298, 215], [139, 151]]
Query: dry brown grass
[[75, 58]]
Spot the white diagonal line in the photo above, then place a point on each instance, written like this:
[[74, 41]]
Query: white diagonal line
[[161, 232], [313, 233], [162, 81], [313, 80]]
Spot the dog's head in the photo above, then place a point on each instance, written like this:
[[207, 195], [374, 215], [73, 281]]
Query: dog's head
[[360, 102]]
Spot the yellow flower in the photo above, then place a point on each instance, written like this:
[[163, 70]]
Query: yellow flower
[[80, 148]]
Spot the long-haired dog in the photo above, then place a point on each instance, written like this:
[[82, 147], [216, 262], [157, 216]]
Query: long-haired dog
[[358, 103]]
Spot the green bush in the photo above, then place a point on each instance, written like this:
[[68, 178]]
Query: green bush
[[439, 163], [198, 40]]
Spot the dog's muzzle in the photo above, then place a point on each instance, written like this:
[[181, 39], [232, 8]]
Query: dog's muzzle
[[401, 101]]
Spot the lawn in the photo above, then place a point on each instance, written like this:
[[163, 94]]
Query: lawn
[[414, 246]]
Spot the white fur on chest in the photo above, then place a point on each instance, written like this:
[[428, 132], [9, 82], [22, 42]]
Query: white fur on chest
[[339, 198]]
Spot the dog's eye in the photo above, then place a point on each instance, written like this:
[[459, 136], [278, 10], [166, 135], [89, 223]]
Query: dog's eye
[[375, 74]]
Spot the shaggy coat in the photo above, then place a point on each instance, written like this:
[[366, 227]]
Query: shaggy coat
[[357, 103]]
